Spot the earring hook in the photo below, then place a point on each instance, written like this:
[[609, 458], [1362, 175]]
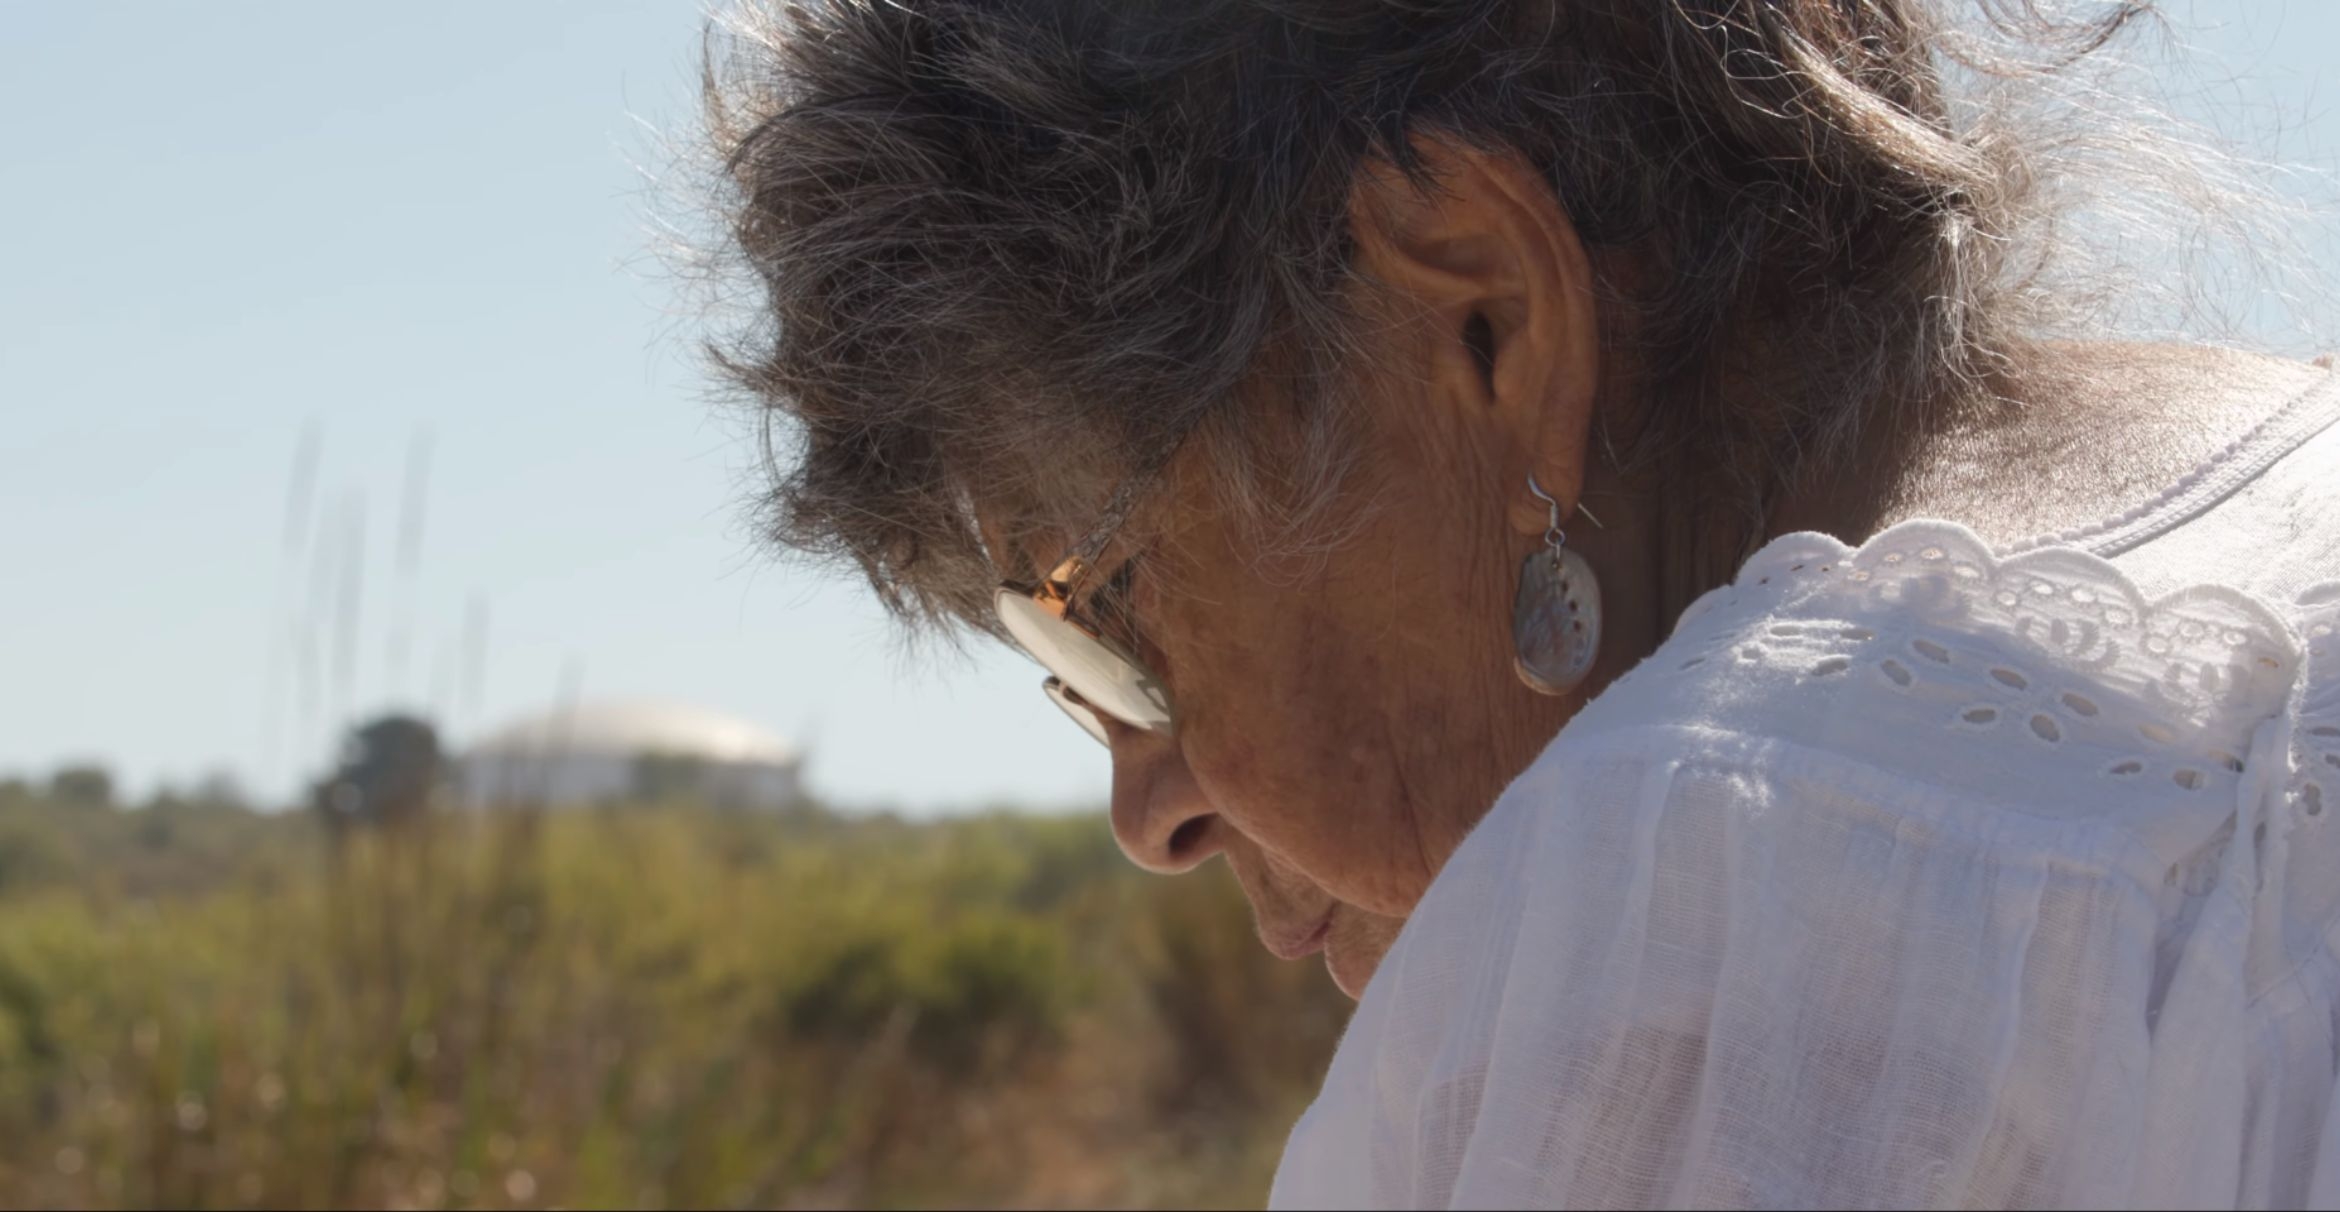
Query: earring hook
[[1553, 535]]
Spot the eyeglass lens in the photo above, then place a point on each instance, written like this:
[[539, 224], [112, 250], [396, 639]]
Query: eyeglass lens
[[1104, 677], [1076, 709]]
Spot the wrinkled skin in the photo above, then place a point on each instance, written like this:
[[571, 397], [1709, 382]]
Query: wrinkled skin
[[1344, 721]]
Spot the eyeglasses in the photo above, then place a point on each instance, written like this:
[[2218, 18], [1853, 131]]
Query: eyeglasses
[[1091, 675], [1075, 708]]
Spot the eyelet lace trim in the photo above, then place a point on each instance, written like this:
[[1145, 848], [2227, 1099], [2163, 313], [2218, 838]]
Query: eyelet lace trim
[[2034, 653], [2202, 652]]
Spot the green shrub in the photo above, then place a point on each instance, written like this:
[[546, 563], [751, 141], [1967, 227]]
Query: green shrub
[[204, 1006]]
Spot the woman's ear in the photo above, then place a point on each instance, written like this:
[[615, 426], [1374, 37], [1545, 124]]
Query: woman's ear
[[1486, 253]]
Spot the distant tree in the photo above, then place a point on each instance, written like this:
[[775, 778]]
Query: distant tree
[[389, 769], [220, 789], [211, 792], [89, 785]]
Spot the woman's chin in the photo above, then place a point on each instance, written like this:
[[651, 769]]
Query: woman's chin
[[1353, 947]]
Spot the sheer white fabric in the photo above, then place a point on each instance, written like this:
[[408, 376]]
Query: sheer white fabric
[[1905, 876]]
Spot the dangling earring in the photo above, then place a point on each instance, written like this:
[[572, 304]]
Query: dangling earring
[[1556, 615]]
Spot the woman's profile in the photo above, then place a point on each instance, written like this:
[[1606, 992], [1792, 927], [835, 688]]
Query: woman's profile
[[1608, 517]]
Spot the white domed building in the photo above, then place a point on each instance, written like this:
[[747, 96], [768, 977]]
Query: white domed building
[[635, 751]]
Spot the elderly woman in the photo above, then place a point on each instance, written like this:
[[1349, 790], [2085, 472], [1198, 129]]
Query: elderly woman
[[1574, 501]]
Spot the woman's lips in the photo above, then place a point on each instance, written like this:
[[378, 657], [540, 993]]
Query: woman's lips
[[1294, 946]]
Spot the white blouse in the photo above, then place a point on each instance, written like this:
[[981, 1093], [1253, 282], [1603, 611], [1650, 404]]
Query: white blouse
[[1915, 875]]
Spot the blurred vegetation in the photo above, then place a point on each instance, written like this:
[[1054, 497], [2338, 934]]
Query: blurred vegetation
[[657, 1006]]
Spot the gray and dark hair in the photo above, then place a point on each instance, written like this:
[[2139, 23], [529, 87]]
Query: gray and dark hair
[[1008, 252]]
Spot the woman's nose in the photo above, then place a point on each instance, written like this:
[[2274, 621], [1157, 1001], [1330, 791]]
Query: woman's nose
[[1159, 814]]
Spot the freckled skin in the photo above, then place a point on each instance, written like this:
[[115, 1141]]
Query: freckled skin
[[1336, 754], [1341, 727]]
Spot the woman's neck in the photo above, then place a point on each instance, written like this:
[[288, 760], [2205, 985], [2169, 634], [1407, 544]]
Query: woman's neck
[[2081, 431]]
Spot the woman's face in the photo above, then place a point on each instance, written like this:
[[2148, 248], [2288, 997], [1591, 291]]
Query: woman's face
[[1341, 723], [1344, 720]]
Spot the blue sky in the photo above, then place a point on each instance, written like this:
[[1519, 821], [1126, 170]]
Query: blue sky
[[226, 226]]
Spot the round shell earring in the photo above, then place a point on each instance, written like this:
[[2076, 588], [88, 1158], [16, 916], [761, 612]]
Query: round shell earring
[[1556, 615]]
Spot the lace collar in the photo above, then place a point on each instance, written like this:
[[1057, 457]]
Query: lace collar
[[2044, 678]]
